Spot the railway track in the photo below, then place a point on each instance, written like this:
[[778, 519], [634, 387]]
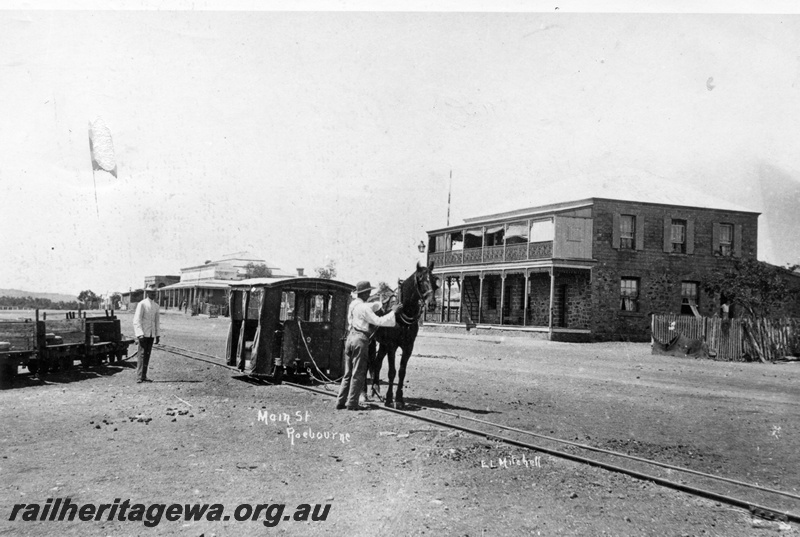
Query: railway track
[[755, 508]]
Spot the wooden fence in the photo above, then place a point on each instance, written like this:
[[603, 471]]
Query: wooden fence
[[772, 339], [733, 340]]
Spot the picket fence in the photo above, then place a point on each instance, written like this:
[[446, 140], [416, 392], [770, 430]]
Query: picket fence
[[733, 340]]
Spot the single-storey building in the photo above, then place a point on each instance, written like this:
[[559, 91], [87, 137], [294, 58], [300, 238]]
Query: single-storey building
[[204, 288]]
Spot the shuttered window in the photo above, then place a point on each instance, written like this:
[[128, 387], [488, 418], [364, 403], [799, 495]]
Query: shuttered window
[[627, 231], [678, 236], [726, 239]]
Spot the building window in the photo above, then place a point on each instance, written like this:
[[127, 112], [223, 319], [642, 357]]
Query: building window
[[629, 294], [542, 230], [689, 298], [627, 232], [726, 239], [456, 241], [494, 236], [678, 236], [517, 233], [473, 238]]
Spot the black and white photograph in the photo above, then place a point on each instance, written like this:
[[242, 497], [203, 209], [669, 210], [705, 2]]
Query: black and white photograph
[[446, 268]]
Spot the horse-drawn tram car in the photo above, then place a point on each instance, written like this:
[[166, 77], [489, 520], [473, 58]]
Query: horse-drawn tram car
[[288, 325]]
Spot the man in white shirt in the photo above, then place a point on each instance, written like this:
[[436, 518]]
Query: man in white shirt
[[363, 321], [146, 329]]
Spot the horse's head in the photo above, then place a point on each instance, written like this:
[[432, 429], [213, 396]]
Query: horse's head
[[426, 285]]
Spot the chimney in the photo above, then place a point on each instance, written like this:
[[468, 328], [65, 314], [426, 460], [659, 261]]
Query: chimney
[[300, 272]]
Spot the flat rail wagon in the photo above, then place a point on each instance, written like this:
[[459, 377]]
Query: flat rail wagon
[[288, 325], [92, 340], [104, 339], [18, 347], [60, 342]]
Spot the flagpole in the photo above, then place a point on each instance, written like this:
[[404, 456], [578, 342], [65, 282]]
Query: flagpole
[[449, 191], [96, 205], [94, 179]]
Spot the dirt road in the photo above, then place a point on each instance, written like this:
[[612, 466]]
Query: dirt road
[[194, 436]]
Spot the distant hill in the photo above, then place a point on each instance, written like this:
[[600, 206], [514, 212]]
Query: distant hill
[[55, 297]]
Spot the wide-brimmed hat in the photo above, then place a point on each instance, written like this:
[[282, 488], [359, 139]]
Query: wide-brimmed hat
[[362, 287], [150, 287]]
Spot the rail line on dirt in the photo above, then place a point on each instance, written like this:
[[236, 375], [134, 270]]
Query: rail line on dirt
[[756, 509]]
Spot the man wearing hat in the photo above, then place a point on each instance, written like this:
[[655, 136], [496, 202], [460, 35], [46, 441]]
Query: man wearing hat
[[363, 321], [146, 329]]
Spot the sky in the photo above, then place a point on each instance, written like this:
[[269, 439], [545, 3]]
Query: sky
[[332, 133]]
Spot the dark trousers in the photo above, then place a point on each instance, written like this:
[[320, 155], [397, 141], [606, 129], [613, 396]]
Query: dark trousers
[[356, 354], [370, 365], [145, 347]]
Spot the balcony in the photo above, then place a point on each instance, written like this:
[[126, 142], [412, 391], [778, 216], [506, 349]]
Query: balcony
[[571, 239], [494, 254]]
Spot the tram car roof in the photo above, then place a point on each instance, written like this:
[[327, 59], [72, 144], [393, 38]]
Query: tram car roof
[[293, 283]]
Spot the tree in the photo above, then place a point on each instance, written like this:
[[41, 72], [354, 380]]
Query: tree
[[258, 270], [327, 272], [760, 289], [763, 291], [116, 300], [88, 299]]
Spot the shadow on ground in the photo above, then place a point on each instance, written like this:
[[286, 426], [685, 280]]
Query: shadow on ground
[[75, 374], [416, 404]]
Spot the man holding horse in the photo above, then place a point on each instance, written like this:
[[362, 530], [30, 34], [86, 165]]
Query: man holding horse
[[363, 322]]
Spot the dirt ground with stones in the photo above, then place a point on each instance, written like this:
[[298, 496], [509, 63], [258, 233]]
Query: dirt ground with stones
[[193, 436]]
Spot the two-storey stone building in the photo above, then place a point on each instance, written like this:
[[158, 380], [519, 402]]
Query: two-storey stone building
[[585, 270]]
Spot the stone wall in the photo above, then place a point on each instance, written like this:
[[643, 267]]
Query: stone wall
[[659, 273], [539, 300]]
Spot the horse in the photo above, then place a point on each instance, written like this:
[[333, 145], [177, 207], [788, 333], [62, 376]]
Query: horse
[[414, 293]]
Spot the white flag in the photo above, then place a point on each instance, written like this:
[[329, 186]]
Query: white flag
[[101, 147]]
